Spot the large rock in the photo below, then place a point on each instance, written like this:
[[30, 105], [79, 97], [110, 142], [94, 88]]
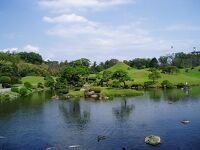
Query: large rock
[[86, 87], [94, 96], [152, 140], [91, 93]]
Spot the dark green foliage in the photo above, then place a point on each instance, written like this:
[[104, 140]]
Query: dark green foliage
[[40, 85], [153, 63], [31, 57], [107, 75], [121, 76], [187, 70], [149, 84], [166, 84], [76, 75], [61, 86], [28, 85], [180, 85], [15, 89], [116, 84], [170, 70], [5, 81], [49, 82], [23, 91], [138, 63]]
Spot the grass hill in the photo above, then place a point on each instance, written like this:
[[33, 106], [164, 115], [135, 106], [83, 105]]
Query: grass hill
[[33, 79], [141, 76]]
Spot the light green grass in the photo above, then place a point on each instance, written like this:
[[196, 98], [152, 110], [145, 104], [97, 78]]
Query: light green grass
[[119, 92], [141, 76], [34, 80], [75, 93]]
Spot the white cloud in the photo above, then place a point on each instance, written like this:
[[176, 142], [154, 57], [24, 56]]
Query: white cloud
[[183, 28], [65, 18], [31, 48], [9, 49], [65, 5]]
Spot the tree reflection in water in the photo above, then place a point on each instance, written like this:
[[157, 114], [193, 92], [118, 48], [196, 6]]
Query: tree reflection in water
[[123, 112], [74, 114]]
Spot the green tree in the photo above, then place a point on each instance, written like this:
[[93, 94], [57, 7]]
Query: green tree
[[153, 63], [5, 81], [154, 76], [107, 75], [49, 82], [121, 76]]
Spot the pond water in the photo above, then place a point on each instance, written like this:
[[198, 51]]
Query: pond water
[[39, 123]]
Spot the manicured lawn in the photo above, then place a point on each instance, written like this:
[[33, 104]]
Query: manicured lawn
[[141, 76], [33, 79]]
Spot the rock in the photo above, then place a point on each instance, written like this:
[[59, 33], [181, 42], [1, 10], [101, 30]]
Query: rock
[[86, 87], [152, 140], [74, 146], [90, 93], [68, 97], [55, 97], [185, 121], [94, 96], [101, 137]]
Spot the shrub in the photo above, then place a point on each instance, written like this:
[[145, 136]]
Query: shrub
[[186, 70], [199, 69], [28, 85], [40, 85], [180, 85], [96, 89], [5, 80], [15, 89], [116, 84], [63, 91], [149, 84], [23, 91], [166, 84]]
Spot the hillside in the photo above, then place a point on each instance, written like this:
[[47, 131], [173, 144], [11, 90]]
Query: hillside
[[141, 76]]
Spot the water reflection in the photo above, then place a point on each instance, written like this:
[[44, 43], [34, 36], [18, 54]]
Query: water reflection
[[123, 112], [74, 114]]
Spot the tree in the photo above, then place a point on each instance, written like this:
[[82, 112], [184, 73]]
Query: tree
[[107, 75], [5, 81], [122, 76], [154, 76], [49, 82], [163, 61], [153, 63], [75, 75], [31, 57]]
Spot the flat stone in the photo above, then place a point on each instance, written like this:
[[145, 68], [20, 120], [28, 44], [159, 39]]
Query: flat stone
[[185, 121], [152, 140]]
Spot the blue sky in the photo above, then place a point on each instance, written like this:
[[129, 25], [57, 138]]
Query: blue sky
[[99, 29]]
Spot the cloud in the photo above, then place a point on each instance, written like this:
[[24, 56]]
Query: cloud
[[66, 5], [31, 48], [9, 49], [65, 18], [183, 28]]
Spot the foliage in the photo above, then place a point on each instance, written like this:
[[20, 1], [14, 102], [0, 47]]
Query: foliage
[[40, 85], [49, 82], [170, 70], [31, 57], [107, 75], [61, 86], [154, 76], [166, 84], [15, 89], [5, 81], [121, 76], [96, 89], [153, 63], [28, 85], [23, 91], [180, 85], [149, 84]]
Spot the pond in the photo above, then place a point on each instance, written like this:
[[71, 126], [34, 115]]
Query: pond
[[39, 123]]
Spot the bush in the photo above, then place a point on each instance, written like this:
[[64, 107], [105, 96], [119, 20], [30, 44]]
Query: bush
[[116, 84], [166, 84], [40, 85], [96, 89], [180, 85], [15, 89], [149, 84], [28, 85], [23, 91], [5, 80], [63, 91], [186, 70], [199, 69]]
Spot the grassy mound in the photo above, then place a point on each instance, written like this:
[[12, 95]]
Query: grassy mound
[[33, 79]]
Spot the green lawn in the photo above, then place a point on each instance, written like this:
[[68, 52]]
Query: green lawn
[[141, 76], [33, 79]]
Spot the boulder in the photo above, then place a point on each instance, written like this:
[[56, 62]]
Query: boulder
[[91, 93], [152, 140], [86, 87], [185, 121], [94, 96]]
